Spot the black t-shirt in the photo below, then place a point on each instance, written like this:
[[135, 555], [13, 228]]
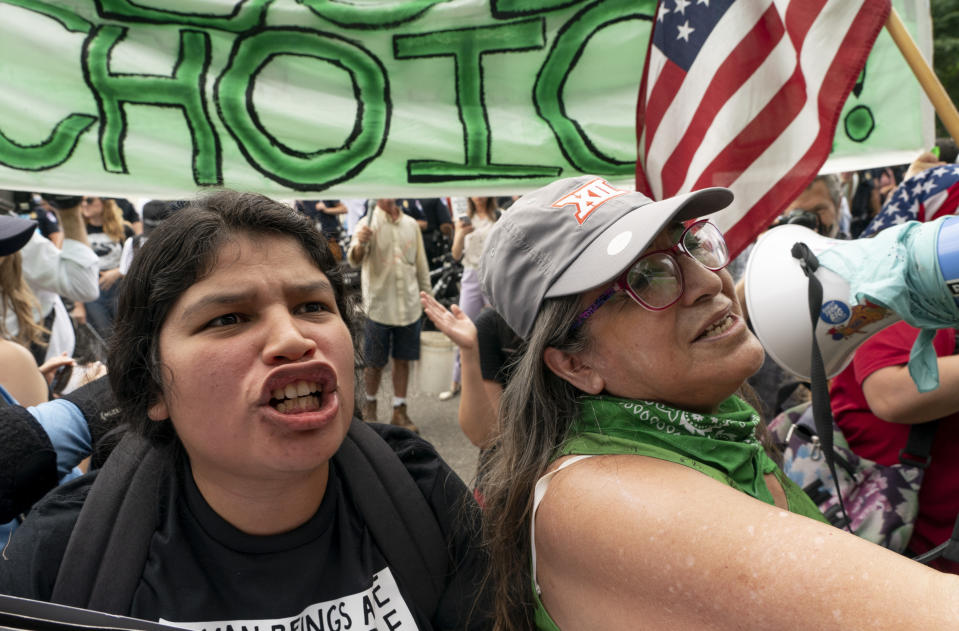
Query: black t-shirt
[[499, 346], [329, 224], [435, 213], [499, 349], [202, 573], [106, 248], [130, 214], [433, 210], [413, 208]]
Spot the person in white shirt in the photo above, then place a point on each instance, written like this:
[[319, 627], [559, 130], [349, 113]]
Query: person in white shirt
[[51, 273], [355, 210], [389, 248]]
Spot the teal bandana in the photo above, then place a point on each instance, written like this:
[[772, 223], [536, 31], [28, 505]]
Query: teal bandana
[[722, 445], [903, 274]]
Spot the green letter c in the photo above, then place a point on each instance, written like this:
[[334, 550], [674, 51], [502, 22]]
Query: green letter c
[[298, 170]]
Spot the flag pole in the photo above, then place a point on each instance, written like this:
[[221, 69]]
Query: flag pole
[[945, 108]]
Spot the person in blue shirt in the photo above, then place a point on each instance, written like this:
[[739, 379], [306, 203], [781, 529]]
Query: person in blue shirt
[[42, 441]]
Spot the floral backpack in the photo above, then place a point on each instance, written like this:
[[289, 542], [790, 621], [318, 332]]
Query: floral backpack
[[881, 502]]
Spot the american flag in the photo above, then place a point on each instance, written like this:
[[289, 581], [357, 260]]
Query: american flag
[[746, 94], [925, 196]]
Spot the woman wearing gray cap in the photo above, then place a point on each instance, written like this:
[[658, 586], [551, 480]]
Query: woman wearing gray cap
[[631, 488]]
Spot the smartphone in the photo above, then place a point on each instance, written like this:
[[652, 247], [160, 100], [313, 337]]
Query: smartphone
[[465, 220], [61, 378]]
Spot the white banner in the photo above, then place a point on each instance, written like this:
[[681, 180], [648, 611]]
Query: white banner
[[404, 98]]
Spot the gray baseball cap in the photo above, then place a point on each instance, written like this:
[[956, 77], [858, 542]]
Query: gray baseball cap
[[573, 235]]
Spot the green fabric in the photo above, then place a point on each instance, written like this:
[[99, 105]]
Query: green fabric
[[541, 617], [796, 499], [721, 445]]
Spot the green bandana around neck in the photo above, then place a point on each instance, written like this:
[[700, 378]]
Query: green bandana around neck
[[722, 443]]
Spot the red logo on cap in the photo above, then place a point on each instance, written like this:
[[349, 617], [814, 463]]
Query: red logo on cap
[[589, 197]]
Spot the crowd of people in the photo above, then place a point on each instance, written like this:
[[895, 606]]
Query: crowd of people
[[223, 464]]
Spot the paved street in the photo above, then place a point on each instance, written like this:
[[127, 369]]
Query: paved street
[[436, 420]]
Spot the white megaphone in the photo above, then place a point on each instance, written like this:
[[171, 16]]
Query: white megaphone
[[909, 272]]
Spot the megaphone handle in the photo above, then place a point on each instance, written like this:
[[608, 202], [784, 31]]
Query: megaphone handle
[[822, 412]]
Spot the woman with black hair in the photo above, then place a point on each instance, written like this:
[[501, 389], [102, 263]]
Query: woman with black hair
[[239, 494]]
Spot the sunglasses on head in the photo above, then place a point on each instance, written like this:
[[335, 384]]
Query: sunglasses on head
[[655, 279]]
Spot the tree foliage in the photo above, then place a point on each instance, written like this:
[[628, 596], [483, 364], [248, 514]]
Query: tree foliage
[[945, 32]]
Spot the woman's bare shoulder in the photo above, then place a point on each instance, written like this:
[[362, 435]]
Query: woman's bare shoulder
[[621, 538], [20, 375], [16, 356]]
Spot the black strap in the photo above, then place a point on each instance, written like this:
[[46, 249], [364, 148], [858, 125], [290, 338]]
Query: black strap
[[23, 614], [822, 412], [396, 514], [919, 445], [949, 549], [105, 556]]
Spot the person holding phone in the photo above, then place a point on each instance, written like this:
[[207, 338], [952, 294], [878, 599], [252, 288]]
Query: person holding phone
[[469, 237]]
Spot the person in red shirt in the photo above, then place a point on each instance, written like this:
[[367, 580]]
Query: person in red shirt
[[875, 402]]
